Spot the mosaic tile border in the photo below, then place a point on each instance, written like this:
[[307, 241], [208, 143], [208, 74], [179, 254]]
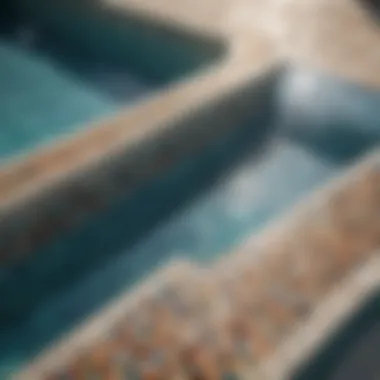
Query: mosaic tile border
[[250, 312]]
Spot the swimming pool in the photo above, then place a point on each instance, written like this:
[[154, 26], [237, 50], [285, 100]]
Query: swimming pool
[[67, 64], [204, 206]]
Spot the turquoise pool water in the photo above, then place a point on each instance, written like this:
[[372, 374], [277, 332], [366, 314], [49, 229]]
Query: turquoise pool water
[[62, 67], [40, 101], [201, 209]]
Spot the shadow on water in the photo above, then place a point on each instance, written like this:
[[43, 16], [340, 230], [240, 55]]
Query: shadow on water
[[90, 37], [282, 153]]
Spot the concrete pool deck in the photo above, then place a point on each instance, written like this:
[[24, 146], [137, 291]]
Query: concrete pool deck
[[259, 37]]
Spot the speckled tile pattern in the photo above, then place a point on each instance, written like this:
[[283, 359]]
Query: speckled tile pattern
[[222, 320]]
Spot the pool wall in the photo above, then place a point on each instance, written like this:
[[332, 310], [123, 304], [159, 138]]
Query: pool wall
[[34, 222]]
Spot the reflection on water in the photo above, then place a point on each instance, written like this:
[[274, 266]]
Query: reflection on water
[[203, 208]]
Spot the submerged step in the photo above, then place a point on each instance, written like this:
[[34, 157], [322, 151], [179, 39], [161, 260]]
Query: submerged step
[[211, 324]]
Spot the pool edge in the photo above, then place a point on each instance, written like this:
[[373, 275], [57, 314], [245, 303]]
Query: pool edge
[[61, 171]]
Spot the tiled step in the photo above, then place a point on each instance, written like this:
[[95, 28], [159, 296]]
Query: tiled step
[[313, 267]]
